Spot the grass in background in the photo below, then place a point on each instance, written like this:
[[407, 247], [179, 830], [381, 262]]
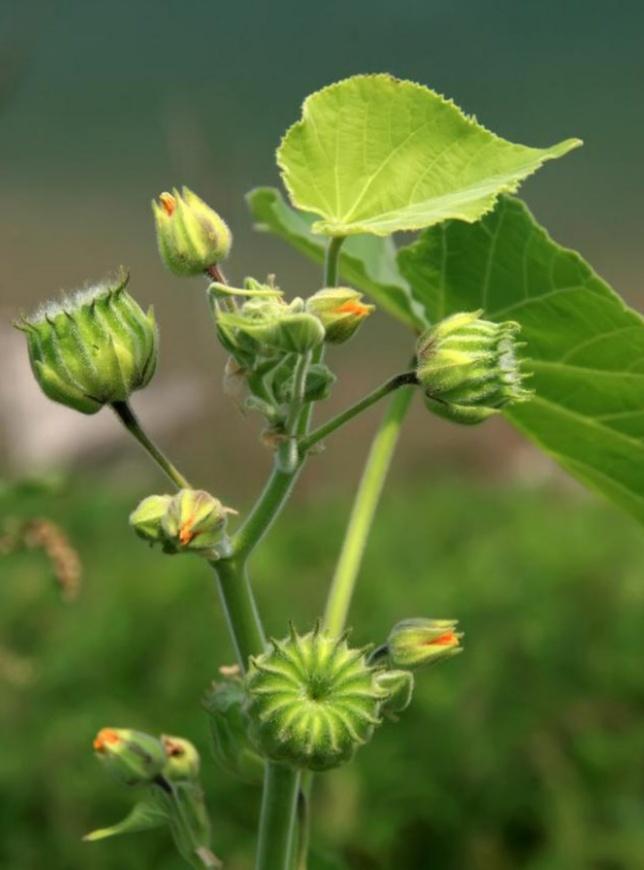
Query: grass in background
[[523, 752]]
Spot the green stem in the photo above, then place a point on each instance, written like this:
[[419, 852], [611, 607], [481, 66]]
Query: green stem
[[128, 419], [303, 822], [264, 512], [277, 819], [362, 514], [239, 606], [331, 261], [288, 455], [336, 422]]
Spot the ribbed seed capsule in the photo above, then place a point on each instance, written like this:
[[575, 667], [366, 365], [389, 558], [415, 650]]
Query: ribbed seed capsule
[[313, 700]]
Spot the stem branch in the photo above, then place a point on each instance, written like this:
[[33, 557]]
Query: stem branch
[[241, 612], [128, 419], [277, 819]]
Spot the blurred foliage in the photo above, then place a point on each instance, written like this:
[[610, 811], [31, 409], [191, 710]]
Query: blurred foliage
[[523, 752]]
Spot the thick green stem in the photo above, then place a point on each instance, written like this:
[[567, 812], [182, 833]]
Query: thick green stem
[[241, 611], [265, 511], [128, 419], [383, 390], [364, 508], [277, 820], [331, 261]]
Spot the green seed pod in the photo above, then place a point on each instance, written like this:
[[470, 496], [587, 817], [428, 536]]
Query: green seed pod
[[182, 759], [191, 236], [469, 369], [225, 704], [415, 642], [313, 700], [340, 310], [95, 347], [195, 521], [399, 686], [146, 518], [132, 757]]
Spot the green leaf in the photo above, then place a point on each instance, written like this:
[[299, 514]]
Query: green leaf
[[366, 262], [373, 154], [144, 815], [584, 345]]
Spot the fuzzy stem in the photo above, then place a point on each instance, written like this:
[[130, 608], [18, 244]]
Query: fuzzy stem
[[336, 422], [362, 514], [277, 819], [242, 616], [127, 417], [264, 512]]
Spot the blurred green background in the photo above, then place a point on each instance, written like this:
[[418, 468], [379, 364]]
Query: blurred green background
[[525, 751]]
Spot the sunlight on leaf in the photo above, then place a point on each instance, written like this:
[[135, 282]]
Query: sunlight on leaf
[[584, 345], [373, 154]]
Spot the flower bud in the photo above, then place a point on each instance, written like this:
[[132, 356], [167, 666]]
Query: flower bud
[[191, 236], [399, 686], [415, 642], [95, 347], [313, 700], [194, 521], [469, 369], [182, 759], [340, 310], [225, 704], [271, 325], [146, 518], [319, 380], [132, 757]]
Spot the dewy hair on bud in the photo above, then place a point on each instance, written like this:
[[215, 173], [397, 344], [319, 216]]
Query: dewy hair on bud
[[191, 236], [469, 368], [312, 700], [94, 347]]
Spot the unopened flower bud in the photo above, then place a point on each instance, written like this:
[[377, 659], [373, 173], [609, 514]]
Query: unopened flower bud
[[319, 380], [146, 518], [469, 369], [399, 686], [182, 759], [415, 642], [225, 704], [95, 347], [133, 757], [340, 310], [271, 325], [195, 521], [313, 700], [191, 236]]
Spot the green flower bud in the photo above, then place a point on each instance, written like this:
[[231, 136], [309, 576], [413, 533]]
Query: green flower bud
[[132, 757], [313, 700], [270, 325], [319, 380], [469, 369], [182, 759], [93, 348], [399, 686], [191, 236], [415, 642], [195, 521], [146, 518], [225, 704], [340, 310]]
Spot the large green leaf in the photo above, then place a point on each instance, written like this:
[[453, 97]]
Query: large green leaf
[[584, 345], [373, 154], [366, 262]]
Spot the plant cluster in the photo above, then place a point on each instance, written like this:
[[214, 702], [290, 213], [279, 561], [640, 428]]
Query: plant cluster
[[371, 156]]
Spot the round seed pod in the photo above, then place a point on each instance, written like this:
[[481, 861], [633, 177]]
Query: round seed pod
[[312, 700]]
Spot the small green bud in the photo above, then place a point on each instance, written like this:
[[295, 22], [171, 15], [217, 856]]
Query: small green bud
[[469, 369], [191, 236], [319, 380], [340, 310], [225, 704], [146, 518], [313, 700], [399, 686], [270, 325], [415, 642], [132, 757], [182, 759], [95, 347], [195, 521]]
